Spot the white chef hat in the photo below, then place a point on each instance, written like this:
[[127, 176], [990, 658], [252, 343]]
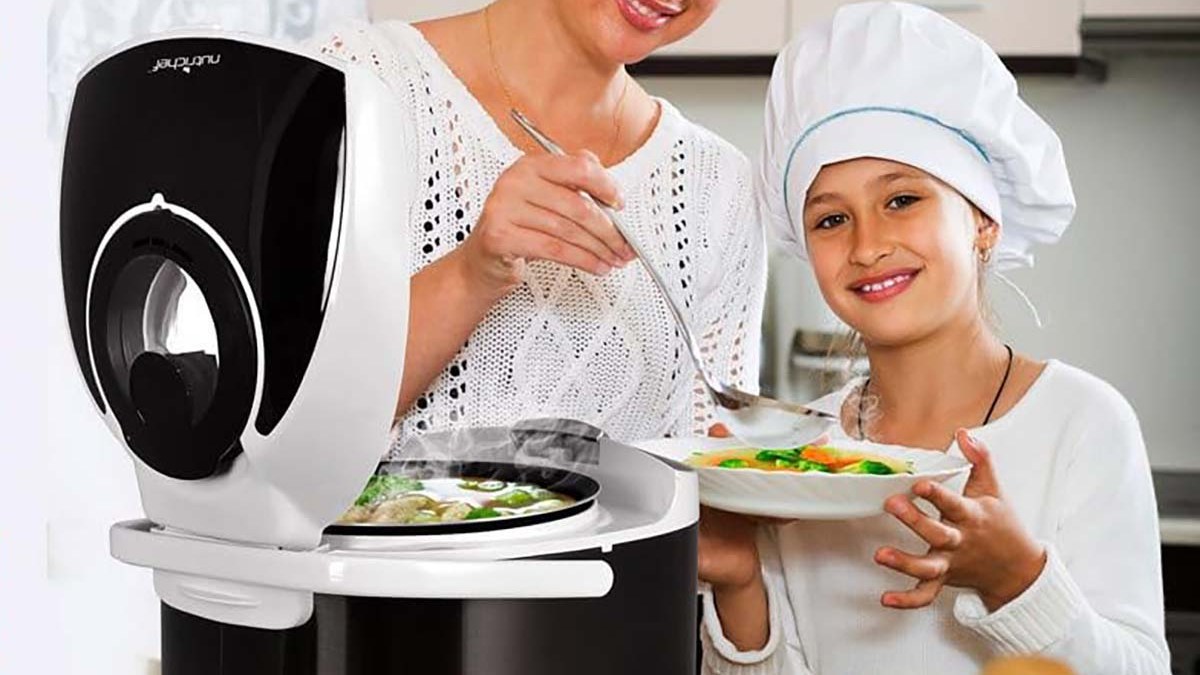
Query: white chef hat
[[901, 82]]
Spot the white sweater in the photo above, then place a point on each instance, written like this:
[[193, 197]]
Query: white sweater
[[564, 343], [1071, 461]]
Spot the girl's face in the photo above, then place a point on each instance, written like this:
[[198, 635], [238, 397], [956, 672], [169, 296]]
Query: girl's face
[[895, 250], [626, 31]]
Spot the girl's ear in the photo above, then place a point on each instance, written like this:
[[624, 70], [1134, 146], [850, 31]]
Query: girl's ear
[[987, 232]]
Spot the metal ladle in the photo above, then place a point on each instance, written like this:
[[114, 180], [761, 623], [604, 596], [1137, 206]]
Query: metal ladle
[[757, 420]]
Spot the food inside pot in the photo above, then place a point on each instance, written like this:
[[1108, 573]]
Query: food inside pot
[[803, 459], [396, 499]]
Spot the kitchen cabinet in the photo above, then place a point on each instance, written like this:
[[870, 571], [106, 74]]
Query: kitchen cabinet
[[1014, 28], [738, 28], [1141, 9], [732, 30], [419, 10], [742, 37], [1178, 495]]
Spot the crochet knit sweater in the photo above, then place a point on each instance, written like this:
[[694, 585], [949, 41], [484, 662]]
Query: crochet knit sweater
[[565, 343]]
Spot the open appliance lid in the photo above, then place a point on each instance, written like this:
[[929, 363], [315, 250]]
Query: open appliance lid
[[235, 285]]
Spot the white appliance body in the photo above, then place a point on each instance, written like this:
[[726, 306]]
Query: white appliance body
[[336, 424]]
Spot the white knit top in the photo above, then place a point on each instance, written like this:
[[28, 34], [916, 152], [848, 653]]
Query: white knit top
[[565, 343], [1071, 461]]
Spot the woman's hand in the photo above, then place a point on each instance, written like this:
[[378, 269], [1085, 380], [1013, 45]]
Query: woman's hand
[[979, 543], [728, 552], [536, 212], [729, 563]]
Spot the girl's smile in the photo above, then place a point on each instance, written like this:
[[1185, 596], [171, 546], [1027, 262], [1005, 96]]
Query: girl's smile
[[883, 287]]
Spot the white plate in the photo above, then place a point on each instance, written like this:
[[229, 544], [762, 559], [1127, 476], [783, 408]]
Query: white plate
[[813, 495]]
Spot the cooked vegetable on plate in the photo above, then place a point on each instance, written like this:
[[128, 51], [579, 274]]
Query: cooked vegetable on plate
[[844, 479], [803, 459]]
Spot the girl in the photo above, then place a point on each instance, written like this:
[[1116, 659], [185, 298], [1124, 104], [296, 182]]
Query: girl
[[523, 300], [902, 163]]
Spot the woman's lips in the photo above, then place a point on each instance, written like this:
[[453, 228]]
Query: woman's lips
[[885, 286], [648, 15]]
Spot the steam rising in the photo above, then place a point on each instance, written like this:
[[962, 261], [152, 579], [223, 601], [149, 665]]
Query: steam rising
[[559, 443]]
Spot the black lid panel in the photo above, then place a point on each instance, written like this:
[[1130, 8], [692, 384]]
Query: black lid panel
[[246, 137]]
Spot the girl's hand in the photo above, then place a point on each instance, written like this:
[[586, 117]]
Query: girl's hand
[[979, 542], [535, 212]]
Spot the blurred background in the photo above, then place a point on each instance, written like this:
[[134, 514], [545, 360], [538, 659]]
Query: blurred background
[[1118, 79]]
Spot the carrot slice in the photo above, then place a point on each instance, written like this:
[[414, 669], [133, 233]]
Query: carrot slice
[[835, 459]]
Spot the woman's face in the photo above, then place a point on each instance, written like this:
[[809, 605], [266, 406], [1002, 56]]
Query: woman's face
[[626, 31], [894, 249]]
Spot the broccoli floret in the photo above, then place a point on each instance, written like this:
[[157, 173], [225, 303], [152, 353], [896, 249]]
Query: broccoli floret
[[483, 485], [484, 512], [734, 464], [515, 499], [777, 456], [790, 459], [809, 465], [387, 486], [870, 467]]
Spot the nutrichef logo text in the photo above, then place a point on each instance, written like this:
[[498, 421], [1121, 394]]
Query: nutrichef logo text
[[186, 63]]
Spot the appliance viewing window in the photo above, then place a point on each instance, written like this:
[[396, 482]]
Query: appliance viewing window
[[159, 309]]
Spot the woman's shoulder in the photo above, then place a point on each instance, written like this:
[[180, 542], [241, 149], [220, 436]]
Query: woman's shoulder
[[721, 175], [390, 48], [707, 145]]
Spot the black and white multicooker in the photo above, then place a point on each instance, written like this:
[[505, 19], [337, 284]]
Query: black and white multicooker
[[236, 283]]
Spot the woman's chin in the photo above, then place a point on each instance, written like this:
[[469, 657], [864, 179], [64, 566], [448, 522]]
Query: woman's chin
[[623, 45], [631, 39]]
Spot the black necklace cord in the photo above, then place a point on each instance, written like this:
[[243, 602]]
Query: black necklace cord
[[862, 394], [1007, 369]]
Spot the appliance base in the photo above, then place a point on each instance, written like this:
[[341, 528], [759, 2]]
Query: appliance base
[[646, 624]]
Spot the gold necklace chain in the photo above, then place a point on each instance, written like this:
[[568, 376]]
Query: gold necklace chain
[[508, 97]]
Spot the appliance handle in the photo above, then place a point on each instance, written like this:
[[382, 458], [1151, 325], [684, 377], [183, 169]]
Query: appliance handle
[[375, 574]]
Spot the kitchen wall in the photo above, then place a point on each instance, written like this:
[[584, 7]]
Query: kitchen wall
[[29, 634], [97, 616], [1118, 295]]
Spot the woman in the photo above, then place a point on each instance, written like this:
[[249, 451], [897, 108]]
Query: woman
[[904, 173], [524, 301]]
